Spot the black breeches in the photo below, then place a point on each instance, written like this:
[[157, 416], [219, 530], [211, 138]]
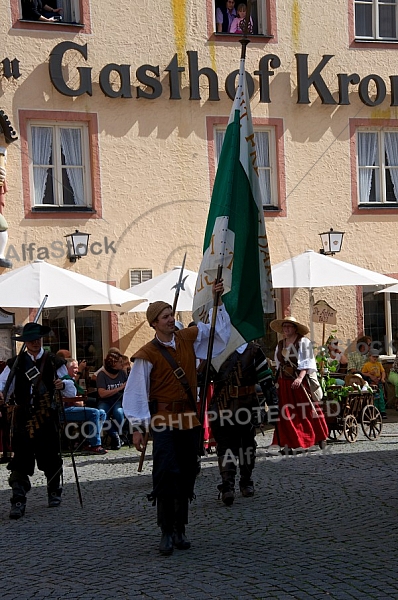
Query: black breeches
[[43, 448], [175, 454], [236, 438]]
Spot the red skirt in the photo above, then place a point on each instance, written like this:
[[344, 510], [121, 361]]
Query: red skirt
[[299, 425]]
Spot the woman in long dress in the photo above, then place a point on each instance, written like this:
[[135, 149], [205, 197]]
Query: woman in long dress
[[301, 422]]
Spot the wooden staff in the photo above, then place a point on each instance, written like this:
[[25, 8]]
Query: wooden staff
[[143, 451], [208, 364]]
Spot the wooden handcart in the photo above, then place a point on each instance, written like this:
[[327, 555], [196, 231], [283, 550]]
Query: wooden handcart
[[344, 415]]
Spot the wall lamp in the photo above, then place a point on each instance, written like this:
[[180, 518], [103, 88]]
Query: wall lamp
[[77, 245], [331, 242]]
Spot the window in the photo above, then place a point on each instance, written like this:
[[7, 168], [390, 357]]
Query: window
[[376, 19], [262, 13], [377, 152], [70, 10], [266, 161], [75, 14], [88, 330], [139, 276], [59, 165], [374, 316]]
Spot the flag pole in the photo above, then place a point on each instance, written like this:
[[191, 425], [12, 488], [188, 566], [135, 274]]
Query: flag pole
[[244, 42], [206, 382]]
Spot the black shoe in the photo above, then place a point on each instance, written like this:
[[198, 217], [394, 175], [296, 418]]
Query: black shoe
[[166, 544], [180, 540], [54, 498], [247, 491], [227, 494], [116, 442], [17, 508], [384, 415]]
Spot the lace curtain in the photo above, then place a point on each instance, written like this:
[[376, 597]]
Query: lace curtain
[[44, 162], [42, 140], [71, 146], [367, 152], [391, 142]]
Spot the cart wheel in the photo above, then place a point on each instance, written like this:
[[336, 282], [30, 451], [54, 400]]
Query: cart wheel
[[335, 430], [350, 428], [371, 422]]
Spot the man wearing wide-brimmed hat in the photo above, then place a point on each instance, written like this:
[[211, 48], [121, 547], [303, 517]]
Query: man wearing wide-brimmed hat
[[35, 435], [156, 388]]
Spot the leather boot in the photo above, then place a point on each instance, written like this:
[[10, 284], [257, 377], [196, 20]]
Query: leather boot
[[54, 497], [18, 501], [246, 467], [227, 487], [166, 543], [246, 488], [180, 540], [166, 518]]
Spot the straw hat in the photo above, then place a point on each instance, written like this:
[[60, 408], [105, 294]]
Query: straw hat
[[276, 325]]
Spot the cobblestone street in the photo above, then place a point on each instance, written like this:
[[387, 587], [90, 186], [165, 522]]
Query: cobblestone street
[[322, 525]]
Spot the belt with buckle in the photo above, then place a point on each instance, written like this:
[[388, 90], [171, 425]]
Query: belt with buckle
[[236, 391]]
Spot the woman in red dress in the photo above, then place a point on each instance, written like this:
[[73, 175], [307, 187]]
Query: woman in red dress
[[301, 423]]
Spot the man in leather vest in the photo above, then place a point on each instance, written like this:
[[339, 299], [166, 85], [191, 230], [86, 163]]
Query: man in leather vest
[[234, 405], [164, 394], [35, 430]]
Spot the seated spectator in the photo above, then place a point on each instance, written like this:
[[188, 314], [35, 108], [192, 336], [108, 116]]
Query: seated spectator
[[224, 16], [334, 355], [126, 364], [238, 25], [111, 382], [95, 373], [357, 358], [377, 375], [75, 410], [34, 10]]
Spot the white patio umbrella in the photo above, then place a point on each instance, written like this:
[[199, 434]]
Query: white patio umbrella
[[26, 287], [312, 270], [163, 287]]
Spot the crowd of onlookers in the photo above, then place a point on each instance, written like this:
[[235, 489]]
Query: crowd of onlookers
[[361, 360]]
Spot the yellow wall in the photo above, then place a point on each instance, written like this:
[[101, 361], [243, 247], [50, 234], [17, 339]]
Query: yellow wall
[[154, 164]]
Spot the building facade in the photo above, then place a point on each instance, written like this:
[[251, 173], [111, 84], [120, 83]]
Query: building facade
[[113, 122]]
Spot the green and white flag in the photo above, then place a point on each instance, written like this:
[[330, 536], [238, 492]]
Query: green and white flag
[[235, 233]]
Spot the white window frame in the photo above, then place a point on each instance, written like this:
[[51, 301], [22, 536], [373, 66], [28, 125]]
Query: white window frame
[[74, 10], [57, 166], [261, 8], [141, 274], [274, 200], [375, 19], [380, 166]]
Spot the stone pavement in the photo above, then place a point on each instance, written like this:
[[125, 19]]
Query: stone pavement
[[322, 525]]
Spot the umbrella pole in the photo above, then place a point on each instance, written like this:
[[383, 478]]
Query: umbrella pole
[[311, 302]]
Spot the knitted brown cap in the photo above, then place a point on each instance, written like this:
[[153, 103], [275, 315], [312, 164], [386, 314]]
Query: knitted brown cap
[[154, 310]]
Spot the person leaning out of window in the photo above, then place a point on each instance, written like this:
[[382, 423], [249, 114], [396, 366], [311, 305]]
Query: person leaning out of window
[[35, 10]]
